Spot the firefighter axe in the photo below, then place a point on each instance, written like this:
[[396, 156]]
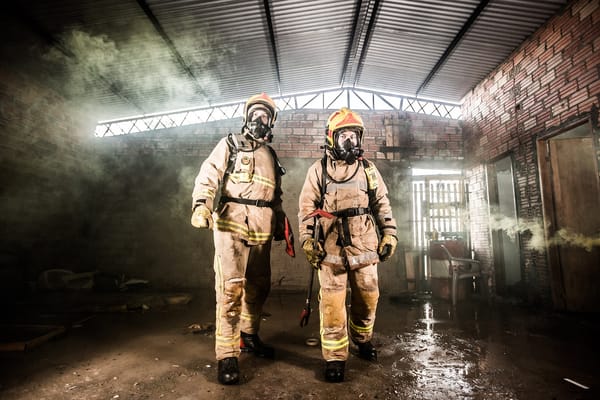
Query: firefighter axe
[[305, 315]]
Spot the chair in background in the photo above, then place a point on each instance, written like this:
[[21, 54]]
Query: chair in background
[[463, 268]]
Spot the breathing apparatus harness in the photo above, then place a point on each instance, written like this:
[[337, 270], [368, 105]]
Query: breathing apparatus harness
[[233, 153], [343, 215]]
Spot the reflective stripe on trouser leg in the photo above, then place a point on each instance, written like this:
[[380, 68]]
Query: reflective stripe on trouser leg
[[258, 285], [365, 294], [332, 310], [230, 262]]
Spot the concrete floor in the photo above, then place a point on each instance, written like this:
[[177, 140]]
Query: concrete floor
[[427, 350]]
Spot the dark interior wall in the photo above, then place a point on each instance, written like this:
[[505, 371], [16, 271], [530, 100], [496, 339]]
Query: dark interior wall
[[143, 227], [551, 79], [44, 181], [46, 167]]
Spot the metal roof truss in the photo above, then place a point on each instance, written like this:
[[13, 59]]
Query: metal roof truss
[[356, 99]]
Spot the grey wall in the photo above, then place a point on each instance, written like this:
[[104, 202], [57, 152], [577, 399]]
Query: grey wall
[[45, 181]]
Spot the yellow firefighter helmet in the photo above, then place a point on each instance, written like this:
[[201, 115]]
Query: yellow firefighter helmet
[[343, 118]]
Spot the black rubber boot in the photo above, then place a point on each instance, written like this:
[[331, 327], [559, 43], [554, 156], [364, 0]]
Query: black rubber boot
[[252, 343], [334, 371], [229, 372], [367, 351]]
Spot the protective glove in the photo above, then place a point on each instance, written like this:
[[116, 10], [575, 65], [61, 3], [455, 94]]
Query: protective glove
[[387, 247], [202, 218], [314, 252]]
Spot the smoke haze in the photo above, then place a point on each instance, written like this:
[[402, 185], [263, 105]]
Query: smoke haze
[[535, 230], [139, 67]]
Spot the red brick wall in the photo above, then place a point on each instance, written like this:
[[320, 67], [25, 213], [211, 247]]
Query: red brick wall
[[389, 136], [550, 79]]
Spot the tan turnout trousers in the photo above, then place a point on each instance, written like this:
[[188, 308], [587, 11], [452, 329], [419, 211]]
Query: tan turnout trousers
[[242, 284], [332, 309]]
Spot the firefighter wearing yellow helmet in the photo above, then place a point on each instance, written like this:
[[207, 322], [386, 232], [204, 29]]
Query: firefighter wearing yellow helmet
[[344, 196], [246, 172], [346, 149]]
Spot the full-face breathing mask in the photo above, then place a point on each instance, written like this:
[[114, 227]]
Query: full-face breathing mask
[[348, 151], [260, 131]]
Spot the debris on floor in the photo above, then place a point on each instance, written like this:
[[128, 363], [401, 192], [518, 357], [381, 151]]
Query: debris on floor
[[201, 328], [22, 337]]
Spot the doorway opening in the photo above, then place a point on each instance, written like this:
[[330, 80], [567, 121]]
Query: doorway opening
[[506, 246], [568, 165], [439, 204]]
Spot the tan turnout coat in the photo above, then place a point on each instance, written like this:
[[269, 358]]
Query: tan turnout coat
[[253, 177], [346, 187]]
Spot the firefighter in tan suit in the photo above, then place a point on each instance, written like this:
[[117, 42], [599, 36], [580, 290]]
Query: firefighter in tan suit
[[246, 219], [357, 231]]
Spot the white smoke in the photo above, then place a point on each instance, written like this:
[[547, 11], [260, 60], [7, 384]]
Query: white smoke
[[566, 238], [141, 66], [534, 229], [182, 201]]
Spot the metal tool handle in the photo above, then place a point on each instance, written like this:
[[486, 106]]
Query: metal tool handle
[[305, 315]]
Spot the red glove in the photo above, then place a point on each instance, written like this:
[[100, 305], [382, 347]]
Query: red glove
[[289, 238]]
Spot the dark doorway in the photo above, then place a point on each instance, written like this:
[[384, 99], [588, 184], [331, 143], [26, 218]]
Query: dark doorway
[[505, 238]]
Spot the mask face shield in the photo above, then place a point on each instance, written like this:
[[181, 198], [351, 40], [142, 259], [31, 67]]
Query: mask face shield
[[347, 146], [259, 125]]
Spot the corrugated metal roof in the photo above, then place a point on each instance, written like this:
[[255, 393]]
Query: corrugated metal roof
[[145, 56], [500, 28]]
